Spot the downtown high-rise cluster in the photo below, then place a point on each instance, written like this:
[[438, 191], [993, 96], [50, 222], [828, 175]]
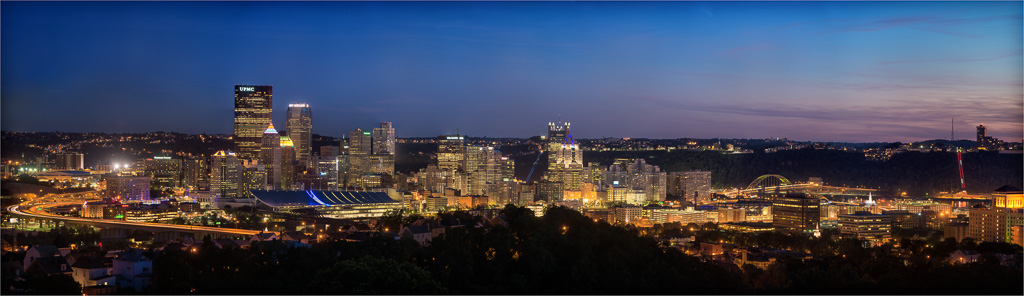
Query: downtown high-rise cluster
[[264, 158]]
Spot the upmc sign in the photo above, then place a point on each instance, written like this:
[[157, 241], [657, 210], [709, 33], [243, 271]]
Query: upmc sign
[[246, 88]]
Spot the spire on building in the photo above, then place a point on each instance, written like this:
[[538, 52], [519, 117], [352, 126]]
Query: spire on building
[[568, 136], [270, 130]]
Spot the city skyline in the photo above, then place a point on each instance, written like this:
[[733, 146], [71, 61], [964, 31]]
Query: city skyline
[[856, 72]]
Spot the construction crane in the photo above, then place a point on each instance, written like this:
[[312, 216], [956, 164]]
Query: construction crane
[[541, 152]]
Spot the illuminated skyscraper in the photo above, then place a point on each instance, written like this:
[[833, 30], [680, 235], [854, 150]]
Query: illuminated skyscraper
[[253, 112], [359, 149], [196, 174], [270, 156], [556, 136], [568, 168], [384, 139], [382, 162], [225, 175], [451, 152], [287, 163], [299, 126]]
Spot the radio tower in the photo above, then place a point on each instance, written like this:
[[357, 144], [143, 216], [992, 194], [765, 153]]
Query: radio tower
[[959, 158], [952, 131]]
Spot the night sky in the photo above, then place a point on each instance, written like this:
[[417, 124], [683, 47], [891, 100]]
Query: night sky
[[862, 71]]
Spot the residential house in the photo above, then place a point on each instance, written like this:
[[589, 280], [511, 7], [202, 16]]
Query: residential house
[[91, 271], [44, 266], [295, 236], [37, 252], [264, 236], [963, 257], [421, 234], [133, 270]]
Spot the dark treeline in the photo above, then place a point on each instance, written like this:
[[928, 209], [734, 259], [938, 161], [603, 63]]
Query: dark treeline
[[562, 253]]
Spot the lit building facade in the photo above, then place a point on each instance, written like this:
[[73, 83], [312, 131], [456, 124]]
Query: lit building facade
[[225, 175], [694, 186], [451, 152], [288, 163], [637, 177], [270, 156], [384, 139], [360, 146], [196, 174], [356, 205], [987, 224], [165, 172], [556, 136], [128, 187], [985, 142], [70, 161], [796, 213], [253, 113], [875, 228], [568, 167], [299, 127], [1008, 197]]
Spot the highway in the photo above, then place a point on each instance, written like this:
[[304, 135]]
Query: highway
[[40, 213]]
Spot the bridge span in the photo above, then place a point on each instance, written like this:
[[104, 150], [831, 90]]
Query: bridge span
[[113, 229]]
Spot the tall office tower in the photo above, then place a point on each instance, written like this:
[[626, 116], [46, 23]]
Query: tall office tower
[[331, 151], [253, 112], [381, 164], [384, 139], [270, 156], [225, 175], [196, 174], [694, 186], [796, 213], [165, 171], [299, 126], [594, 174], [451, 152], [341, 174], [287, 163], [568, 167], [556, 136], [70, 161], [327, 173], [507, 169], [360, 146], [254, 176], [483, 167]]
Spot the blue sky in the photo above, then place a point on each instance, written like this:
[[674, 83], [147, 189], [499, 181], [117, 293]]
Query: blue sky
[[827, 71]]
